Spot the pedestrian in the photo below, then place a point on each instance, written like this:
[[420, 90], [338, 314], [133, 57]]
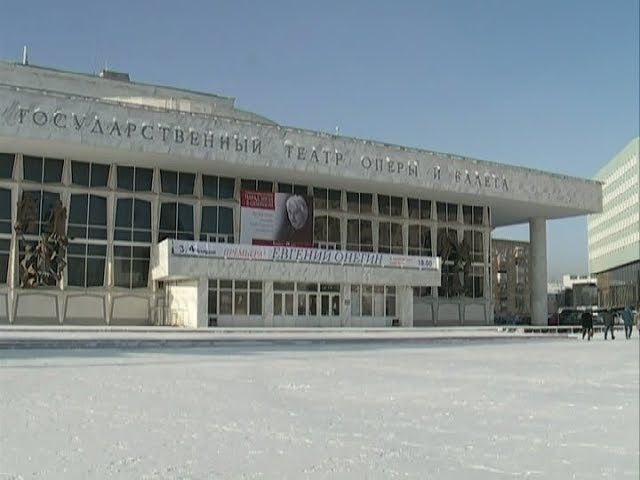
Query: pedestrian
[[587, 324], [608, 323], [627, 318]]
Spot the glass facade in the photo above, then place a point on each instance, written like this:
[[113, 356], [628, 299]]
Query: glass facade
[[117, 213], [619, 287]]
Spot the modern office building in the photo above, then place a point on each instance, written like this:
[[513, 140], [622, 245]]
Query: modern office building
[[127, 203], [510, 267], [614, 234]]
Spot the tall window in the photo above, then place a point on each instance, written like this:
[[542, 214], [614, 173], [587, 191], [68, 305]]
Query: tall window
[[85, 266], [5, 232], [94, 175], [373, 300], [5, 248], [472, 215], [359, 202], [291, 188], [389, 206], [218, 188], [87, 217], [326, 232], [447, 212], [359, 235], [177, 183], [133, 220], [176, 221], [5, 211], [134, 179], [256, 185], [326, 199], [390, 237], [44, 202], [42, 170], [130, 266], [235, 297], [6, 165], [420, 240], [419, 209], [87, 221], [217, 224]]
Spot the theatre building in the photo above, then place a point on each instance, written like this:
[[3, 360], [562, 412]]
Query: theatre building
[[124, 203]]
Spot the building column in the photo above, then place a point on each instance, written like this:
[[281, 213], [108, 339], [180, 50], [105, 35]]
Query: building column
[[538, 270]]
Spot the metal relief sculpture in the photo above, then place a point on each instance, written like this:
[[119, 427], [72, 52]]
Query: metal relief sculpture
[[456, 257], [42, 262]]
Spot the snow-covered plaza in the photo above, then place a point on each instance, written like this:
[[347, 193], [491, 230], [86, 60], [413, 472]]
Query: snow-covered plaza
[[556, 408]]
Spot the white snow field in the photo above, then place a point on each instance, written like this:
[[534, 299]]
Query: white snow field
[[485, 409]]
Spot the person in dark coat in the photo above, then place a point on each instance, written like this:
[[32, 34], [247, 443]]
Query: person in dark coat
[[627, 318], [608, 323], [587, 324]]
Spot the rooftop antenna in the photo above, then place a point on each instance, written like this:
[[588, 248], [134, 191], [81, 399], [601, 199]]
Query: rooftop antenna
[[25, 55]]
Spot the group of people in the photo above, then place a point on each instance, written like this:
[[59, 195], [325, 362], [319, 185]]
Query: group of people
[[608, 318]]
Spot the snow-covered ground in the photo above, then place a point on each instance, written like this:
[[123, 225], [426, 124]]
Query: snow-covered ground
[[550, 408]]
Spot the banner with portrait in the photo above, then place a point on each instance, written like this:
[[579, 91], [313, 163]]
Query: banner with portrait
[[280, 219]]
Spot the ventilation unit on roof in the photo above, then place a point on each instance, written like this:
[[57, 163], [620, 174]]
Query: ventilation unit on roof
[[113, 75]]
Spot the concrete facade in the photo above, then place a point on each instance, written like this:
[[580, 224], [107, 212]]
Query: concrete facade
[[614, 234], [74, 121]]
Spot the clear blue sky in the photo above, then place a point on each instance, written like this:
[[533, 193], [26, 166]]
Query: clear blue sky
[[547, 84]]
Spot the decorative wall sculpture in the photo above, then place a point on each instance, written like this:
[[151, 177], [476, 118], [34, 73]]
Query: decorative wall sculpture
[[43, 261]]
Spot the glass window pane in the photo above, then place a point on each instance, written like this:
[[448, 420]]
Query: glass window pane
[[139, 273], [264, 186], [334, 229], [212, 308], [241, 302], [142, 214], [313, 304], [6, 165], [78, 213], [75, 271], [168, 216], [187, 180], [441, 209], [125, 178], [391, 306], [226, 187], [99, 175], [288, 304], [285, 187], [124, 212], [414, 207], [396, 206], [80, 173], [226, 302], [384, 205], [302, 304], [324, 305], [210, 186], [53, 170], [185, 218], [209, 221], [334, 199], [477, 215], [143, 179], [122, 272], [97, 210], [255, 303], [320, 198], [95, 272], [225, 221], [353, 202], [366, 203], [32, 168], [277, 304], [5, 210], [169, 181], [335, 305]]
